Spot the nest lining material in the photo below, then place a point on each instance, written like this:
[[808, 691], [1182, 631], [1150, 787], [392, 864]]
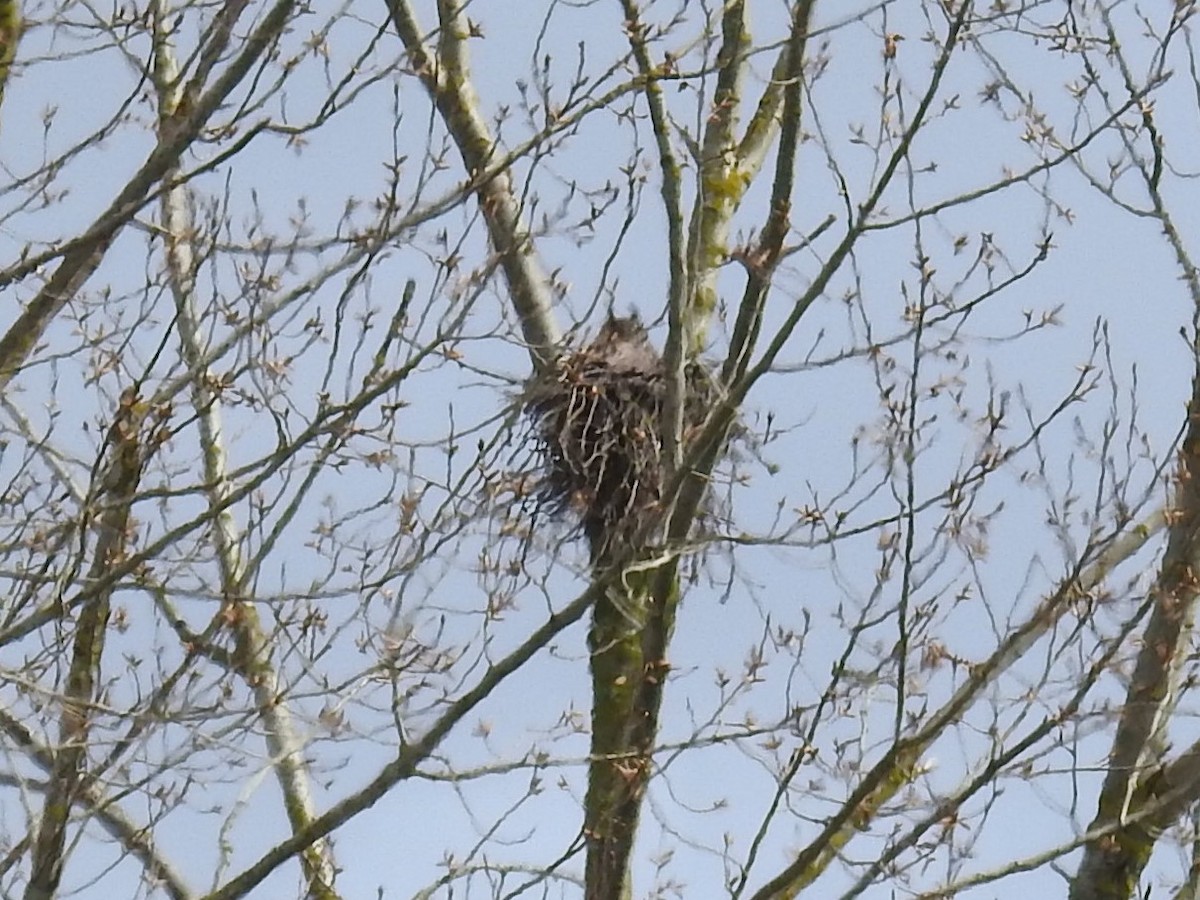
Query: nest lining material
[[597, 417]]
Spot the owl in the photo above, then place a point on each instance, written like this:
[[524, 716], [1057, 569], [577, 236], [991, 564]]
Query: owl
[[624, 346]]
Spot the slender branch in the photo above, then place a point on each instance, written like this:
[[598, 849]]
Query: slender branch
[[252, 655], [722, 178], [1001, 757], [447, 79], [134, 837], [81, 256], [412, 754], [672, 198], [902, 760], [740, 386], [1112, 867], [113, 493], [761, 261], [331, 421]]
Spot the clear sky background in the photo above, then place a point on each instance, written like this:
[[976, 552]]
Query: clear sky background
[[1108, 272]]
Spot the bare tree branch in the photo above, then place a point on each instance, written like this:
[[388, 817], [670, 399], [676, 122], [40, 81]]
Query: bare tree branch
[[81, 256], [128, 450], [132, 835], [252, 656], [447, 78]]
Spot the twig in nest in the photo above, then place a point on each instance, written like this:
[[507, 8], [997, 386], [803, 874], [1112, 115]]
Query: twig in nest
[[598, 420]]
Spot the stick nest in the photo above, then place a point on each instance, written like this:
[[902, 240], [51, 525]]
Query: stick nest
[[597, 416]]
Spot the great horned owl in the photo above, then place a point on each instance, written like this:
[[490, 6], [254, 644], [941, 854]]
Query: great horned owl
[[624, 346]]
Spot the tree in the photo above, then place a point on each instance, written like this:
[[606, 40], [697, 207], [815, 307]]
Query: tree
[[358, 539]]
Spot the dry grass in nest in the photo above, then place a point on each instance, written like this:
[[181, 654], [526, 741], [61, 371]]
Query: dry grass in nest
[[597, 418]]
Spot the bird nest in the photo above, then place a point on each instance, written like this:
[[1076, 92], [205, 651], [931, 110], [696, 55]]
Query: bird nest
[[598, 419]]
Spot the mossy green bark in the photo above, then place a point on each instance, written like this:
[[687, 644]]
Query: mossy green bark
[[630, 632], [10, 35], [112, 496]]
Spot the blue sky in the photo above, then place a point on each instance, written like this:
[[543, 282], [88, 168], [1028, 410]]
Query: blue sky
[[786, 598]]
